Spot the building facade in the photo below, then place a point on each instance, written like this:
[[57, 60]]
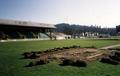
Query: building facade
[[12, 29]]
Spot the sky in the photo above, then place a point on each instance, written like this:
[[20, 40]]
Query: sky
[[105, 13]]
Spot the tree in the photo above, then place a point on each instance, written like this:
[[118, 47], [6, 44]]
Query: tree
[[78, 29], [118, 28]]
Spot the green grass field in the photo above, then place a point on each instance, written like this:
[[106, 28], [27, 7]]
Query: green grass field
[[11, 63]]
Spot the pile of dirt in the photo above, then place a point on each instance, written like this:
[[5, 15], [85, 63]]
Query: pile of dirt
[[72, 55], [91, 47], [113, 58], [34, 55], [30, 55], [72, 62], [38, 62], [118, 49]]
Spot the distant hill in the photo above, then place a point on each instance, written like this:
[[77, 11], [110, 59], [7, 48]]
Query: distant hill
[[78, 29]]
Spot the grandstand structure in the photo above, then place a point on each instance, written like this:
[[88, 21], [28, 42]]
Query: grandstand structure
[[13, 29]]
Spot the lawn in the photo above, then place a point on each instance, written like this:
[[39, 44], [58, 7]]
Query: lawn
[[11, 63]]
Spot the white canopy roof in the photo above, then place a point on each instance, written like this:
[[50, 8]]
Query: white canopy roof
[[25, 23]]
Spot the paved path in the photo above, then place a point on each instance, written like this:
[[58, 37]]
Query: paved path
[[111, 46]]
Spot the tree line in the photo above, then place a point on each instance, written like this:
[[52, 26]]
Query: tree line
[[118, 28], [78, 29]]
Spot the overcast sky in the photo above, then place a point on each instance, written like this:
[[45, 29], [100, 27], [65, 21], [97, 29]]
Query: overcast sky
[[85, 12]]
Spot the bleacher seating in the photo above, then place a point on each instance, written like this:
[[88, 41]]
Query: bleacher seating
[[2, 35], [35, 34], [26, 34], [12, 35], [21, 35], [43, 35]]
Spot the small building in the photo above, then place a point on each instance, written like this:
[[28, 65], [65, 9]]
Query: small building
[[104, 36], [61, 36]]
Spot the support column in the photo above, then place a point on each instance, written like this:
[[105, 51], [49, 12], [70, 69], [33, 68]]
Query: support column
[[50, 34]]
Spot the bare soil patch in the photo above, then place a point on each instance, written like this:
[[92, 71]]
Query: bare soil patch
[[112, 58], [72, 55]]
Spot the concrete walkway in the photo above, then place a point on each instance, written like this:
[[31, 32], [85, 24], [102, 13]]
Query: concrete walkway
[[111, 46]]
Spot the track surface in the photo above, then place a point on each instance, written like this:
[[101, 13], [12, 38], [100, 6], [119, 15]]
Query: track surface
[[111, 46]]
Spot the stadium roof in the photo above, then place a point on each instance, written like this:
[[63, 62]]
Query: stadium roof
[[25, 23]]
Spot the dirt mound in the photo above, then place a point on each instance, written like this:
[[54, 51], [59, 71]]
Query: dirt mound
[[109, 61], [72, 55], [118, 49], [113, 58], [78, 63], [38, 62], [31, 55]]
